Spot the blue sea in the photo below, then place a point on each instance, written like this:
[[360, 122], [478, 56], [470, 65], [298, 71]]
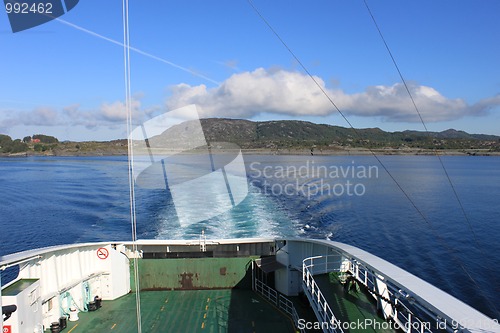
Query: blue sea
[[60, 200]]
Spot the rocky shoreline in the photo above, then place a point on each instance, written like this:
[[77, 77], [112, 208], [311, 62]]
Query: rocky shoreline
[[267, 151]]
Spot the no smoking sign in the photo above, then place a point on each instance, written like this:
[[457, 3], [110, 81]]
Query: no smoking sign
[[102, 253]]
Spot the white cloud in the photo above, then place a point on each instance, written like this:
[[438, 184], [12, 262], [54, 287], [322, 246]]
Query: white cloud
[[249, 93], [40, 116], [107, 115], [116, 112], [43, 116], [392, 103], [275, 91], [292, 93]]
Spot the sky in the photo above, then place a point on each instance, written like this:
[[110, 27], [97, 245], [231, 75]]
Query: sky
[[66, 78]]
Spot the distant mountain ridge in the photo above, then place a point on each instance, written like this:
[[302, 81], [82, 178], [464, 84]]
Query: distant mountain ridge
[[296, 133], [454, 134], [278, 136]]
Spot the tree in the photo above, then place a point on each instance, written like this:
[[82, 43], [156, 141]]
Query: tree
[[9, 146], [27, 139], [5, 143], [18, 146], [5, 139]]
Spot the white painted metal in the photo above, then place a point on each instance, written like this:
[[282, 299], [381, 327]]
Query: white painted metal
[[62, 270], [381, 289], [326, 317], [29, 319], [281, 280]]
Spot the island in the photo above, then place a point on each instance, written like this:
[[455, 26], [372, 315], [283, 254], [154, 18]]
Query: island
[[283, 137]]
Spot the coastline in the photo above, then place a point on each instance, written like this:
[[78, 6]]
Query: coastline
[[284, 152], [363, 152]]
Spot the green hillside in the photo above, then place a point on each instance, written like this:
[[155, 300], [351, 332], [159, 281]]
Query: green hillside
[[284, 135]]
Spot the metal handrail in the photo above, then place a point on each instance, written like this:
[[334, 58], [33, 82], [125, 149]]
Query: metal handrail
[[279, 300], [315, 296], [410, 322]]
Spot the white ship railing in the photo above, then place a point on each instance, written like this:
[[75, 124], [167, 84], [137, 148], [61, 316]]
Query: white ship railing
[[400, 313], [399, 293], [318, 302], [280, 301]]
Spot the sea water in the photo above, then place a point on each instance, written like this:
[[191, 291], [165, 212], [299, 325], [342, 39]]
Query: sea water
[[409, 216]]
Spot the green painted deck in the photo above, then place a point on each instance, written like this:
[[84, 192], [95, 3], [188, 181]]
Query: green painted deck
[[188, 295], [225, 310], [351, 306], [214, 295]]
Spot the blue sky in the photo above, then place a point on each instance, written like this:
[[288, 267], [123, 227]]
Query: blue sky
[[65, 78]]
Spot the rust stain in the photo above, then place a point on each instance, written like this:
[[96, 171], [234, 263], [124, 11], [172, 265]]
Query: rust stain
[[223, 271], [186, 280]]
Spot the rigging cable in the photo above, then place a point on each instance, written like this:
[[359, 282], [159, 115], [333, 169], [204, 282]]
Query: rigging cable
[[424, 125], [128, 107], [357, 133], [338, 110], [452, 186]]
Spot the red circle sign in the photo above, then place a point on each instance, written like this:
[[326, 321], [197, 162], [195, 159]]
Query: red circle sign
[[102, 253]]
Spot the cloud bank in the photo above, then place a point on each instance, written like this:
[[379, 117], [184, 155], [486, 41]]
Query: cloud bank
[[106, 115], [249, 94], [279, 92]]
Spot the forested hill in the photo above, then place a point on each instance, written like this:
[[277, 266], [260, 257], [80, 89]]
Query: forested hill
[[284, 135], [303, 134]]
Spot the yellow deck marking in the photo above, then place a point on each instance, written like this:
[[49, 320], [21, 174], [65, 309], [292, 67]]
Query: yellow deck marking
[[113, 326], [205, 314], [71, 330]]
